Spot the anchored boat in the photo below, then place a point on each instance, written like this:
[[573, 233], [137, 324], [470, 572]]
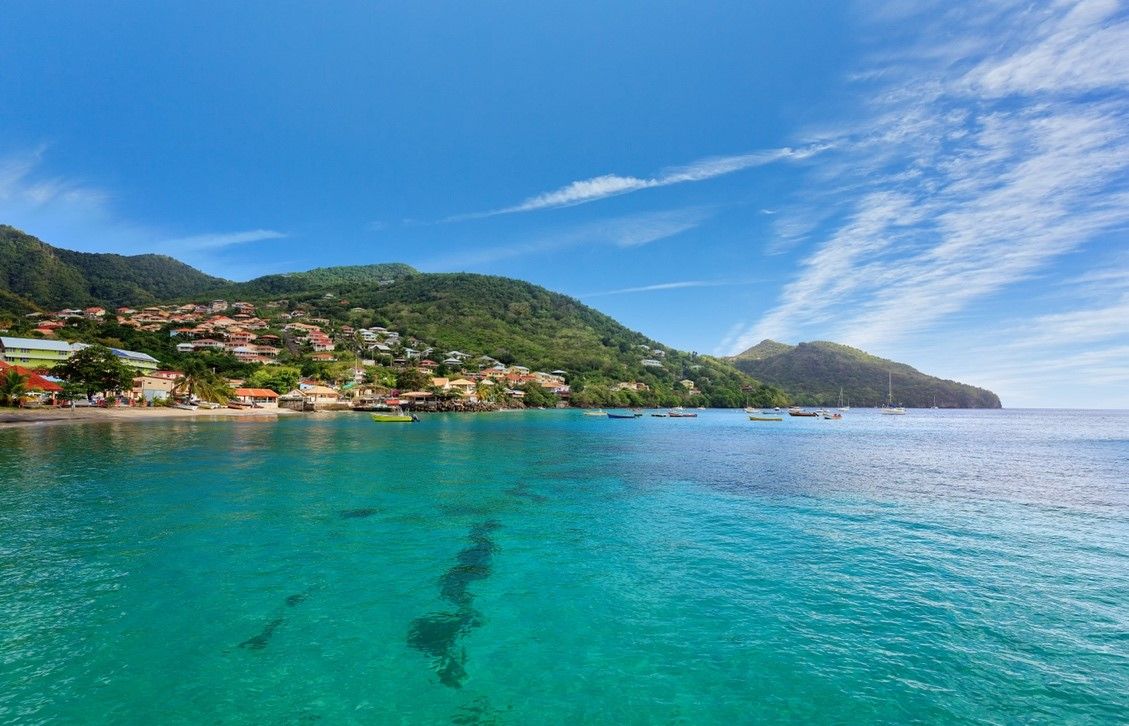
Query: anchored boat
[[394, 416]]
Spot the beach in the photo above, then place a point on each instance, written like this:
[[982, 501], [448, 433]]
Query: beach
[[17, 417]]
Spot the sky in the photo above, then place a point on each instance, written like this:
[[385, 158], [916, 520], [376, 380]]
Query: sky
[[944, 184]]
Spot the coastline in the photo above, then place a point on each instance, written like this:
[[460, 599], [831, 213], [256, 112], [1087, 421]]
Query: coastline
[[20, 418]]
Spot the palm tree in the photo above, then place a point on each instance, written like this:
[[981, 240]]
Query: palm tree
[[198, 382], [12, 387]]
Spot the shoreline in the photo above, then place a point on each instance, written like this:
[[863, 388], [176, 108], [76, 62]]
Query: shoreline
[[28, 417]]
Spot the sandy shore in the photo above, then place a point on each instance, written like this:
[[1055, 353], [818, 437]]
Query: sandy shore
[[10, 417]]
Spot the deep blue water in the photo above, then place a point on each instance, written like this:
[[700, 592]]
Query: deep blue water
[[546, 567]]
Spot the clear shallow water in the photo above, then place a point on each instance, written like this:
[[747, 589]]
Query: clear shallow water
[[549, 567]]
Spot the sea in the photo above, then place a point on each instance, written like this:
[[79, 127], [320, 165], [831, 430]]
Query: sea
[[550, 567]]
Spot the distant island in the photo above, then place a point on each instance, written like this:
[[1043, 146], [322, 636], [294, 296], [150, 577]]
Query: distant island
[[392, 327], [815, 373]]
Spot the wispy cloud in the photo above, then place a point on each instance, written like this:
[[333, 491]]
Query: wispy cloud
[[633, 230], [77, 214], [988, 162], [669, 286], [595, 188], [219, 240]]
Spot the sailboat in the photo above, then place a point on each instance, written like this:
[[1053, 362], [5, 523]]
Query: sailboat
[[890, 409], [841, 406], [934, 400]]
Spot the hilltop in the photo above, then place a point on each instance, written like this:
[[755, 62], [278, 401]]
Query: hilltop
[[35, 276], [812, 373]]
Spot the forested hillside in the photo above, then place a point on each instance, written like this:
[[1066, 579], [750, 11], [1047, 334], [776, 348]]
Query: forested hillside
[[813, 373], [35, 276]]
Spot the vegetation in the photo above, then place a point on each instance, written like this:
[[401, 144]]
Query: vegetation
[[12, 387], [280, 379], [813, 373], [95, 370], [519, 323], [35, 276], [321, 278], [197, 381]]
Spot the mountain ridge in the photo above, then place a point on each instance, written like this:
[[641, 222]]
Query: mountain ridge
[[813, 373]]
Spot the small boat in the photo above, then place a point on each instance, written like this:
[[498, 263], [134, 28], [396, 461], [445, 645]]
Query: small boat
[[766, 418], [890, 409], [636, 413], [750, 409], [598, 412], [802, 413], [832, 416], [681, 414], [185, 406], [841, 406], [621, 415], [659, 415], [394, 416]]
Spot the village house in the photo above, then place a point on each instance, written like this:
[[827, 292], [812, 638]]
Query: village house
[[37, 384], [152, 388], [257, 397]]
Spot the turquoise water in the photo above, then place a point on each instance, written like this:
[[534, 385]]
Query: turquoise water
[[546, 567]]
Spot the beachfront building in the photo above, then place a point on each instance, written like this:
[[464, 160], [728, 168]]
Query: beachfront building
[[131, 358], [38, 386], [153, 388], [258, 397], [33, 352], [36, 353]]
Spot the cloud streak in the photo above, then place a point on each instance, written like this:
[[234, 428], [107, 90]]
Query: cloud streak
[[76, 214], [976, 172], [219, 240], [595, 188], [633, 230], [680, 285]]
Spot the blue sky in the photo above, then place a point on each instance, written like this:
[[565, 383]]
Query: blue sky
[[948, 186]]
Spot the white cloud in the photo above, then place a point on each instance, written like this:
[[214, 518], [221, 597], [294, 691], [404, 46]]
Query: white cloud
[[682, 284], [971, 173], [76, 214], [217, 240], [633, 230], [609, 185]]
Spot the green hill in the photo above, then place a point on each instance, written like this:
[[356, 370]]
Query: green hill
[[518, 323], [512, 321], [813, 373], [35, 275]]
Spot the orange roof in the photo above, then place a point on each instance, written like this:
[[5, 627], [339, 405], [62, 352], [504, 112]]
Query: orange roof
[[35, 382], [256, 392]]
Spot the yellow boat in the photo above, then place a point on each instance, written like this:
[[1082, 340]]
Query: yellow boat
[[394, 417]]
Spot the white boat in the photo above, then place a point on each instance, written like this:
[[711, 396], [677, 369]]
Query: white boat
[[598, 412], [841, 406], [890, 409]]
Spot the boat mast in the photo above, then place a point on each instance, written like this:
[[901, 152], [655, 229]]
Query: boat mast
[[890, 388]]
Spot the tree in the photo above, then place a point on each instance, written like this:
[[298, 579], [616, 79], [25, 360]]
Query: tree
[[12, 387], [412, 379], [95, 369], [198, 381], [280, 379]]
